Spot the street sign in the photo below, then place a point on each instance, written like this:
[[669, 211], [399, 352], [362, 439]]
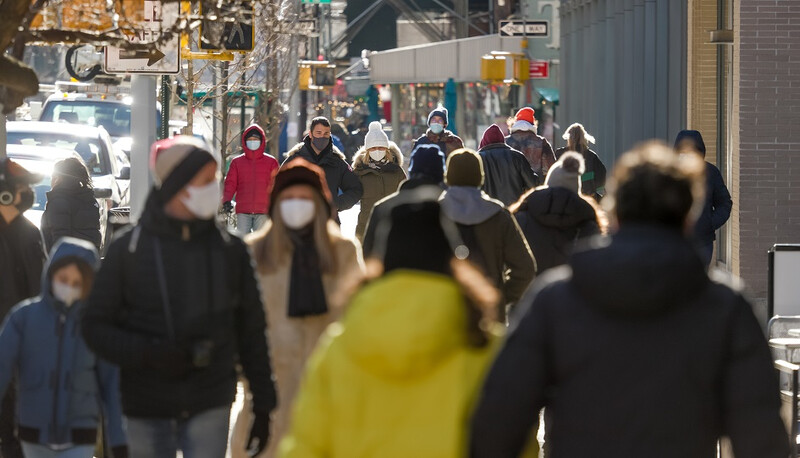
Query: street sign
[[524, 28], [230, 36], [539, 69], [161, 59]]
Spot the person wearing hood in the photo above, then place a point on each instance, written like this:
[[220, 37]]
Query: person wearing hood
[[379, 165], [536, 148], [633, 349], [22, 258], [317, 148], [177, 307], [398, 375], [72, 210], [425, 170], [249, 180], [593, 180], [306, 269], [718, 204], [508, 175], [437, 133], [556, 216], [60, 418], [494, 239]]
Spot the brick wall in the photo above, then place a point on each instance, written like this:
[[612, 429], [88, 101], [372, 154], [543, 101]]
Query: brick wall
[[768, 45], [701, 83]]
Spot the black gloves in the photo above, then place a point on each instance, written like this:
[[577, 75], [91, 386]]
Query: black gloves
[[168, 358], [259, 434], [227, 206]]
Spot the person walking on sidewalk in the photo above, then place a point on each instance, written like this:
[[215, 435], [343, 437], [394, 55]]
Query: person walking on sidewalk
[[71, 210], [633, 349], [437, 133], [508, 174], [306, 270], [594, 177], [22, 258], [177, 307], [379, 165], [536, 148], [317, 148], [42, 335], [249, 180], [425, 170], [397, 377], [718, 203], [495, 241], [555, 217]]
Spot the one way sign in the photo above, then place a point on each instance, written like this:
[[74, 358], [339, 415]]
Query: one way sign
[[524, 28]]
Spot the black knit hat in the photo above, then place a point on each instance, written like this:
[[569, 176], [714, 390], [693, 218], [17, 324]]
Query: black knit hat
[[441, 111], [417, 236], [427, 160]]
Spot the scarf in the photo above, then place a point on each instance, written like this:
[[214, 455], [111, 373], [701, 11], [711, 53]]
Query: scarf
[[306, 291]]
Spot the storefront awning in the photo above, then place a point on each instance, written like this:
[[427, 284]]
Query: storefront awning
[[436, 62], [549, 94]]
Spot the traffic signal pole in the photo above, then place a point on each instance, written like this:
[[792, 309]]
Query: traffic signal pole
[[143, 132]]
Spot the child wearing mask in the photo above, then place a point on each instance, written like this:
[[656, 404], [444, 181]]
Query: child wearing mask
[[306, 270], [59, 414]]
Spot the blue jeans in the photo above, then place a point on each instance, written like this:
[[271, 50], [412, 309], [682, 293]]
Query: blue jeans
[[204, 435], [31, 450], [249, 222]]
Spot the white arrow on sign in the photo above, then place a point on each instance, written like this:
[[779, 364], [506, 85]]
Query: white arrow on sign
[[519, 28], [162, 59]]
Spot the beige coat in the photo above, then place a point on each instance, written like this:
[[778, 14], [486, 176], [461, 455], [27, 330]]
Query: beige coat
[[292, 340]]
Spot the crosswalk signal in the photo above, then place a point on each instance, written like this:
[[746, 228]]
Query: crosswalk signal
[[223, 34]]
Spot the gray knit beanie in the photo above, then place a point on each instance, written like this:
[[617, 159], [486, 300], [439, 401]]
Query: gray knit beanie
[[566, 172]]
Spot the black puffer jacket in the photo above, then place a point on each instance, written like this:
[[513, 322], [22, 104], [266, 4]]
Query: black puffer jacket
[[507, 173], [345, 186], [213, 296], [73, 212], [553, 220], [716, 208], [635, 352], [22, 259]]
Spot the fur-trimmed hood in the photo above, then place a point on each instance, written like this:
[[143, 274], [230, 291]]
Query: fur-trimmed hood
[[361, 158], [307, 142]]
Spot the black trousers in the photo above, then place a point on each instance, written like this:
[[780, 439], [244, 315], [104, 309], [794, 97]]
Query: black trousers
[[9, 445]]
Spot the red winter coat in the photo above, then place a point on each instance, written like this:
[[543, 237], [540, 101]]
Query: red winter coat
[[250, 178]]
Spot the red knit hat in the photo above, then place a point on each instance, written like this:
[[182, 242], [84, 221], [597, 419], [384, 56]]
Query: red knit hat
[[492, 135], [300, 171], [526, 114]]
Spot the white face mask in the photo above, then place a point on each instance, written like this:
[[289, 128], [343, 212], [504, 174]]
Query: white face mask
[[297, 213], [66, 293], [377, 155], [252, 145], [203, 201], [437, 128]]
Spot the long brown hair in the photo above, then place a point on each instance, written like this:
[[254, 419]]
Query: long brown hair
[[577, 138], [272, 247]]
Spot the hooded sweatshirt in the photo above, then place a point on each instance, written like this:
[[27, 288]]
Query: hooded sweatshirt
[[493, 237], [635, 352], [387, 383], [250, 177], [60, 380]]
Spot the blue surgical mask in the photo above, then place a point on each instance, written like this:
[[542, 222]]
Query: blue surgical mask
[[437, 128], [253, 145]]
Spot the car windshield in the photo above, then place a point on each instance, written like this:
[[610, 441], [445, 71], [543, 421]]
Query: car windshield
[[115, 117], [90, 149]]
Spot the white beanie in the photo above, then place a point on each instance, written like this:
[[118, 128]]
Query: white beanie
[[566, 172], [376, 136]]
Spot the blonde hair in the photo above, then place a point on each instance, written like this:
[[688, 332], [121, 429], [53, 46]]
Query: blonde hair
[[577, 138], [272, 247]]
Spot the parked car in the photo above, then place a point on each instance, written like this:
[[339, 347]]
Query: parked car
[[93, 144], [41, 160]]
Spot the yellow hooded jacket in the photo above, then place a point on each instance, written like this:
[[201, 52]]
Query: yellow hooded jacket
[[396, 378]]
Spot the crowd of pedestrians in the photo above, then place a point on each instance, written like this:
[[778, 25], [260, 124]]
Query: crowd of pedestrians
[[482, 287]]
